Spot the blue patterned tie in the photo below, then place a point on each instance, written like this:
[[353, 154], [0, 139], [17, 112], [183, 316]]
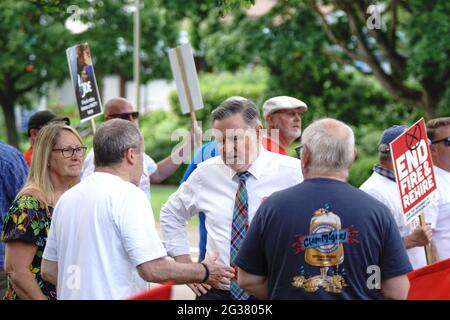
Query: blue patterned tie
[[238, 229]]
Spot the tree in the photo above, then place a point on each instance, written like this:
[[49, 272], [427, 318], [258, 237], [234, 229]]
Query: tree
[[407, 53], [33, 40], [110, 37]]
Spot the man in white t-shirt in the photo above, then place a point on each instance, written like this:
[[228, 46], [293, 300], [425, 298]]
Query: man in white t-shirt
[[120, 108], [382, 186], [438, 213], [102, 243]]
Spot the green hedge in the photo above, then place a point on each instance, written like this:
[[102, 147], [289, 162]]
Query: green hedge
[[361, 170]]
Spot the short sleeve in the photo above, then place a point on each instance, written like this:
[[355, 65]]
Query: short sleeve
[[251, 256], [150, 164], [50, 251], [137, 230], [394, 261], [24, 221]]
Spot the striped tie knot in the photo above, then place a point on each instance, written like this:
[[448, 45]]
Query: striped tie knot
[[243, 176]]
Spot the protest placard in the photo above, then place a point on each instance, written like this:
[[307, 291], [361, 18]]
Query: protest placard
[[84, 82], [414, 173]]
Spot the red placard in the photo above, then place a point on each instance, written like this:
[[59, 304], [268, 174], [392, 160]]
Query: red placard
[[163, 292], [413, 169]]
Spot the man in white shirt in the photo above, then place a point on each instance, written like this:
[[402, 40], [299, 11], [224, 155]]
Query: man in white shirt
[[382, 186], [438, 213], [120, 108], [228, 188], [102, 242]]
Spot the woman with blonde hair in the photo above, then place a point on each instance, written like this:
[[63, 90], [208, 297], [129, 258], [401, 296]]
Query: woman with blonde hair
[[55, 167]]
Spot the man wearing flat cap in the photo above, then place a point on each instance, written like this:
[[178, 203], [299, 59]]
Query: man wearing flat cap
[[36, 122], [283, 117], [382, 186]]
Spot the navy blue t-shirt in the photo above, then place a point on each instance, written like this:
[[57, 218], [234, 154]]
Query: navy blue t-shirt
[[323, 239]]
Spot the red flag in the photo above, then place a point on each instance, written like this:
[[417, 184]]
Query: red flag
[[431, 282], [163, 292]]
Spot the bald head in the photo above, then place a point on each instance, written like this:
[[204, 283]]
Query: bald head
[[117, 106], [331, 145]]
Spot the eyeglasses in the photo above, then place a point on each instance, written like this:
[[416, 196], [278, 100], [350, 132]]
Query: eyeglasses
[[298, 151], [125, 116], [445, 140], [68, 152]]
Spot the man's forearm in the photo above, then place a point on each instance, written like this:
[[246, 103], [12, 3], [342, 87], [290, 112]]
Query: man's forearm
[[183, 258], [253, 284], [395, 288], [49, 271], [163, 269], [259, 290]]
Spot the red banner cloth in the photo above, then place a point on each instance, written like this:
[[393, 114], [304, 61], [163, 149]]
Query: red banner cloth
[[163, 292], [431, 282]]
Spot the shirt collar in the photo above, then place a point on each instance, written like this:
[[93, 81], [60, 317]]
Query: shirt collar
[[384, 172]]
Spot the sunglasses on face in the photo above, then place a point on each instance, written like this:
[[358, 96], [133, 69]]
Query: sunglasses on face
[[125, 116], [446, 141]]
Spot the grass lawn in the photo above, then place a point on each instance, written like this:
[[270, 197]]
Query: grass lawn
[[160, 194]]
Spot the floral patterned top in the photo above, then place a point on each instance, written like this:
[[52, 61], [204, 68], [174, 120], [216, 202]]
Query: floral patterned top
[[28, 220]]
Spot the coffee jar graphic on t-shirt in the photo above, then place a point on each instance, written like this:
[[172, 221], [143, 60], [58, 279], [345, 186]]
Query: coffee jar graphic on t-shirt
[[323, 248]]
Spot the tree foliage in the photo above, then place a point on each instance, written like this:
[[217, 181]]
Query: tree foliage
[[33, 40], [407, 55], [34, 37], [110, 36]]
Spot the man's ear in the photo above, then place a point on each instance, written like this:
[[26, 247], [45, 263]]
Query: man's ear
[[306, 157], [130, 156], [355, 154], [33, 134]]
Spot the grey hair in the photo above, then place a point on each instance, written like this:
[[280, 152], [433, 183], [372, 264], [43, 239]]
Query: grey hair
[[234, 105], [331, 144], [112, 139]]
